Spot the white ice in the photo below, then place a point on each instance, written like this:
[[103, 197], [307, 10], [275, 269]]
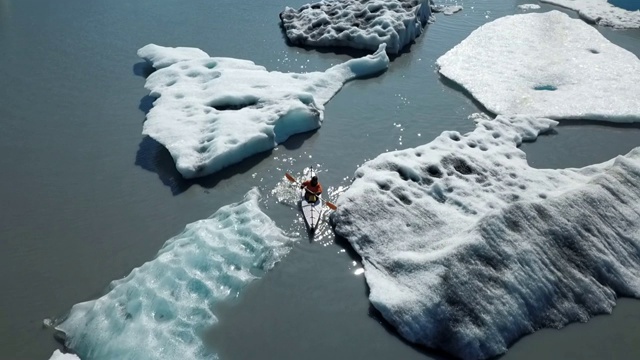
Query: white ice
[[601, 12], [529, 6], [466, 248], [214, 112], [57, 355], [447, 9], [161, 308], [546, 65], [357, 24]]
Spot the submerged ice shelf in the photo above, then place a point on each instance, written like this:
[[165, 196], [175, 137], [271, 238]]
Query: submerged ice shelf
[[466, 248], [214, 112], [160, 309]]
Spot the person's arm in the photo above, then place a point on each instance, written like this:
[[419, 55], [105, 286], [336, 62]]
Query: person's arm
[[319, 189], [304, 184]]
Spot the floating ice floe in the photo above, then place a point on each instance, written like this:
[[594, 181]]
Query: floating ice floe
[[466, 248], [357, 24], [601, 12], [529, 6], [214, 112], [57, 355], [546, 65], [447, 9], [161, 308]]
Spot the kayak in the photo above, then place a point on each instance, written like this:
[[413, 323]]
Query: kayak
[[312, 211]]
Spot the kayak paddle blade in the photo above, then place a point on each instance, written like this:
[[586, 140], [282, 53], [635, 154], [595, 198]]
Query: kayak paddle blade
[[289, 177]]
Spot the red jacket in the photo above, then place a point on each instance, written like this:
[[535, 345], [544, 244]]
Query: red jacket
[[316, 189]]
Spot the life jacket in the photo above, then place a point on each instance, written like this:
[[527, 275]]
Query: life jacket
[[316, 189]]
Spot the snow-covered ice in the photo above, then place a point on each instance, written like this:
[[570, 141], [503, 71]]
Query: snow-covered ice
[[529, 6], [160, 309], [214, 112], [57, 355], [161, 57], [466, 248], [546, 65], [357, 24], [601, 12]]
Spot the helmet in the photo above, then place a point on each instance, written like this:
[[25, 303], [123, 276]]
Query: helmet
[[314, 181]]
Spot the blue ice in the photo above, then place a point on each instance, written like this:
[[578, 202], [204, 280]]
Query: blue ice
[[160, 309]]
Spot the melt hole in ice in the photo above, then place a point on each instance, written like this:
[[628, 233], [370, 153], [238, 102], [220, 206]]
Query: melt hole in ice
[[233, 107], [545, 87]]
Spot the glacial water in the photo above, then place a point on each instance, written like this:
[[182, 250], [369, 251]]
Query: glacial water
[[85, 198]]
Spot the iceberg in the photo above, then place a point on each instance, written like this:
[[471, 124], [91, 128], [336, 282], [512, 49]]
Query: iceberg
[[466, 248], [602, 12], [357, 24], [529, 6], [546, 65], [447, 9], [160, 309], [57, 355], [214, 112]]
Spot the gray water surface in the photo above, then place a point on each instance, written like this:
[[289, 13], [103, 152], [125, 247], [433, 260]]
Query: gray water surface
[[85, 198]]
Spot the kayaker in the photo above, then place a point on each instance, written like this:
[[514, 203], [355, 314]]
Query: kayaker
[[313, 189]]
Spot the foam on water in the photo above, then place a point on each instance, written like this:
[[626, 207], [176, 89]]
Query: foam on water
[[466, 248], [603, 12], [546, 65], [214, 112], [160, 309], [357, 24]]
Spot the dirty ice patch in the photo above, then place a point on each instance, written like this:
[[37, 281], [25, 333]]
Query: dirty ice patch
[[603, 12], [161, 308], [466, 248], [57, 355], [357, 24], [214, 112], [546, 65]]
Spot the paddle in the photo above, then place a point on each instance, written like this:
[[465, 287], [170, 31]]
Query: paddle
[[293, 180]]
